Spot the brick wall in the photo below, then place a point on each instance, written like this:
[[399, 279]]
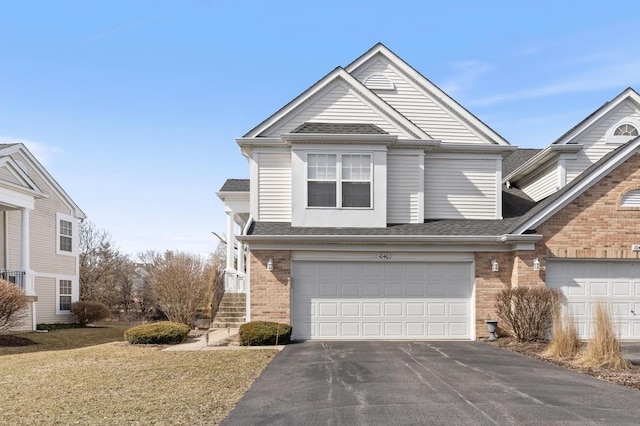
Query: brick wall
[[488, 284], [270, 291], [593, 225]]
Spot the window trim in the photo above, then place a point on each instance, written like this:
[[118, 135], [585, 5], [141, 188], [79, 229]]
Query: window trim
[[339, 180], [610, 138], [624, 195], [59, 294], [74, 234]]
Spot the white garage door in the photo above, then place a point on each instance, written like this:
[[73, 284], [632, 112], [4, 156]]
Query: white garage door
[[584, 282], [347, 300]]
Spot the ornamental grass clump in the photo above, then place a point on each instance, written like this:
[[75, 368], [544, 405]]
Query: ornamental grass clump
[[565, 342], [157, 333], [603, 350], [263, 333]]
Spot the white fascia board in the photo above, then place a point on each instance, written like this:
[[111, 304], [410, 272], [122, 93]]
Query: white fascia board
[[12, 198], [584, 184], [233, 195], [421, 248], [539, 159], [44, 174], [424, 84], [392, 239], [504, 150], [23, 190], [628, 93]]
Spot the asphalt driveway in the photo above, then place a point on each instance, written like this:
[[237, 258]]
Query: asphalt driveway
[[436, 383]]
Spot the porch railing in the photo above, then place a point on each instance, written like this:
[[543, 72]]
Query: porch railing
[[15, 277]]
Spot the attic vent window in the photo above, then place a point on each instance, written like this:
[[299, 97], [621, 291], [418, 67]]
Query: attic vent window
[[625, 130], [379, 82], [631, 199]]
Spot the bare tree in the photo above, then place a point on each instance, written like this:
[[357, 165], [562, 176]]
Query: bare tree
[[180, 284], [13, 304]]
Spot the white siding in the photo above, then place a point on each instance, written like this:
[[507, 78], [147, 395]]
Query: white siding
[[403, 178], [594, 139], [338, 105], [6, 175], [421, 109], [274, 187], [460, 188], [542, 184]]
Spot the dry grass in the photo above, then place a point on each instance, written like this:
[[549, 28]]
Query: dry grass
[[565, 343], [118, 383], [603, 350], [70, 338]]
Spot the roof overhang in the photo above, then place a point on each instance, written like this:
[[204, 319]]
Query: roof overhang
[[540, 158], [512, 241], [580, 186], [476, 148]]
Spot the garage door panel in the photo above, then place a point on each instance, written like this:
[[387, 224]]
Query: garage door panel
[[382, 300], [349, 289], [393, 309], [350, 309], [621, 288], [584, 283]]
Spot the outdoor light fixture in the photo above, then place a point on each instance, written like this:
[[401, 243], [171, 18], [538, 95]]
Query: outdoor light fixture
[[494, 266], [536, 264], [270, 265]]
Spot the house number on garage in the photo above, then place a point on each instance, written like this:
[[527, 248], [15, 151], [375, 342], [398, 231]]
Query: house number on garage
[[384, 256]]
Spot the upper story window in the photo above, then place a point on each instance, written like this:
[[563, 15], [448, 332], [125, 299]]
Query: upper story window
[[341, 181], [66, 234], [625, 130]]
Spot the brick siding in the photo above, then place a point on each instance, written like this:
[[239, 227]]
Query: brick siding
[[270, 291]]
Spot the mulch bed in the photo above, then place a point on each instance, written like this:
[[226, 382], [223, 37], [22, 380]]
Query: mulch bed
[[7, 340], [629, 377]]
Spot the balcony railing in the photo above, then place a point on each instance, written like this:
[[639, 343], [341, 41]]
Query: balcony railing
[[15, 277]]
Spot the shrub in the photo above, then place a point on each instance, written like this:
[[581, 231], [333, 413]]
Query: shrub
[[87, 312], [603, 350], [260, 333], [565, 342], [13, 304], [527, 311], [157, 333]]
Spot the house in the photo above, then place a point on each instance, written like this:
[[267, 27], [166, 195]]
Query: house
[[380, 208], [40, 237]]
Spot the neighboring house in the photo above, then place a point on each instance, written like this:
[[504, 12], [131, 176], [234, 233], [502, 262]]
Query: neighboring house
[[379, 208], [39, 234]]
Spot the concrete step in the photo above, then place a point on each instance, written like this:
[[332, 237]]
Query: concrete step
[[217, 324]]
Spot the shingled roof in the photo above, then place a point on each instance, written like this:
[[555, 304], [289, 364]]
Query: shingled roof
[[516, 159], [340, 129], [235, 185]]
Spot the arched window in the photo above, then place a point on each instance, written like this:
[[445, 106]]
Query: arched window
[[625, 130], [631, 199]]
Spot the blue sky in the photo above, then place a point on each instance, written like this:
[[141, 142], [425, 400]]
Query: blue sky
[[133, 106]]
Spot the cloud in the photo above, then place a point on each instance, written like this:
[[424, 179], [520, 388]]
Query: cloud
[[612, 75], [465, 74], [44, 153]]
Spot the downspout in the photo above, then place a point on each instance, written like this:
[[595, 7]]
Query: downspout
[[6, 239]]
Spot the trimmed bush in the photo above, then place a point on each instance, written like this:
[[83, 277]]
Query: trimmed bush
[[87, 312], [527, 311], [157, 333], [261, 333], [58, 326]]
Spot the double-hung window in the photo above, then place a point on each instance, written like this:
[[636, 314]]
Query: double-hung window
[[66, 235], [342, 181], [64, 294]]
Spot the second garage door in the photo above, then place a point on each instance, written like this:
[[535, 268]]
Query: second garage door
[[583, 283], [362, 300]]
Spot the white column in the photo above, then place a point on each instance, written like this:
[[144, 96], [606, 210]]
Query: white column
[[230, 242], [25, 255], [240, 258], [24, 238]]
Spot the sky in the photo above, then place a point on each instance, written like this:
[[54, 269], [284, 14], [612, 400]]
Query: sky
[[134, 106]]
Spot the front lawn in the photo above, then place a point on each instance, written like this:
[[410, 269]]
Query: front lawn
[[117, 383]]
